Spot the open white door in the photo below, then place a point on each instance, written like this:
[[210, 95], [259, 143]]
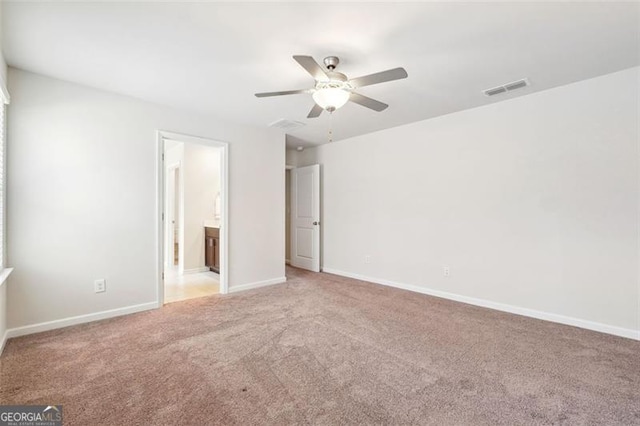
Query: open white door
[[172, 198], [305, 217]]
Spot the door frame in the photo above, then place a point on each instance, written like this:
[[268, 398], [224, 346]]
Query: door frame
[[287, 212], [161, 136], [171, 168]]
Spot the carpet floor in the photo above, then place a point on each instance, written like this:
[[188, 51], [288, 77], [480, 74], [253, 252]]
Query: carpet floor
[[322, 349]]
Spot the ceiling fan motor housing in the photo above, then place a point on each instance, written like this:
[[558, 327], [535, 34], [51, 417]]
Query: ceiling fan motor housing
[[331, 62]]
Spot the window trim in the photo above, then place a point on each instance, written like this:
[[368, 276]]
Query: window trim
[[5, 99]]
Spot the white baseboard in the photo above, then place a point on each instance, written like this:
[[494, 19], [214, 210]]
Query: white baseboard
[[4, 341], [80, 319], [257, 284], [547, 316], [195, 270]]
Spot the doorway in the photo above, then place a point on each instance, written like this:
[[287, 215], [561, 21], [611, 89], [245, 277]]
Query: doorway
[[192, 217], [305, 217]]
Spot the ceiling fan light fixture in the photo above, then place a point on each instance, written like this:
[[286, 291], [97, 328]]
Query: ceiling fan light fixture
[[333, 94], [331, 98]]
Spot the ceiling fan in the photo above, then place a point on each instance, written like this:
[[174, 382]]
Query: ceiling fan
[[333, 89]]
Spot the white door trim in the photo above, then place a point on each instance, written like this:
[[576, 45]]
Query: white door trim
[[161, 136]]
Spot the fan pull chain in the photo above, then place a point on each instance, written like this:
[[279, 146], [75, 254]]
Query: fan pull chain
[[330, 136]]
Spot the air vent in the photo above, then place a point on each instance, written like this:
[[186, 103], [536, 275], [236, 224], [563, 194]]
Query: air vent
[[516, 85], [286, 124], [495, 91], [507, 87]]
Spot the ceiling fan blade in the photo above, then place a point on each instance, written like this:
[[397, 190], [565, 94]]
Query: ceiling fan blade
[[286, 92], [367, 102], [312, 67], [315, 111], [379, 77]]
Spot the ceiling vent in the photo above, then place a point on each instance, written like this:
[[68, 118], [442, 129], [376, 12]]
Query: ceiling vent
[[514, 85], [286, 124]]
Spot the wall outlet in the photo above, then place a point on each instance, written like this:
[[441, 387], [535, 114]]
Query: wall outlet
[[367, 259], [100, 286], [446, 271]]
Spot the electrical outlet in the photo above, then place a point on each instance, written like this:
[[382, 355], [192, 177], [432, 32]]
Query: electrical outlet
[[367, 259], [100, 286], [446, 271]]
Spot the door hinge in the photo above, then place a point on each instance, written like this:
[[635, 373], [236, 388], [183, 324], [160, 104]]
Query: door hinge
[[162, 216], [163, 275], [162, 157]]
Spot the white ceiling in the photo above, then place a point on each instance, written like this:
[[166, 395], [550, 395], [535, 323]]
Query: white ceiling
[[212, 57]]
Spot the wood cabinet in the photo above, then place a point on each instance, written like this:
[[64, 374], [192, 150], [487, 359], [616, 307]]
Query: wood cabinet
[[212, 249]]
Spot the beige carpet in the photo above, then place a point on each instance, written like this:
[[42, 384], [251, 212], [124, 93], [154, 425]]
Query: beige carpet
[[323, 349]]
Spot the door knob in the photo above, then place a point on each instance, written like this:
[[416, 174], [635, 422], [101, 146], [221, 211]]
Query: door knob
[[316, 223]]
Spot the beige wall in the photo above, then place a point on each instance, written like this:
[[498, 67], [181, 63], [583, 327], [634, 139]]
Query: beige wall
[[532, 203]]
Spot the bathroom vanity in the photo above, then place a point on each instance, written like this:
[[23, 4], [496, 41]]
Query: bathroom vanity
[[212, 248]]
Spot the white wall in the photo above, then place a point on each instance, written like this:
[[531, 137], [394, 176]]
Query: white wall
[[531, 202], [201, 184], [3, 63], [3, 286], [82, 198], [291, 157]]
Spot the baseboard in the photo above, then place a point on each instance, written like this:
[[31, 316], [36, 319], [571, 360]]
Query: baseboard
[[257, 284], [195, 270], [80, 319], [3, 342], [532, 313]]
